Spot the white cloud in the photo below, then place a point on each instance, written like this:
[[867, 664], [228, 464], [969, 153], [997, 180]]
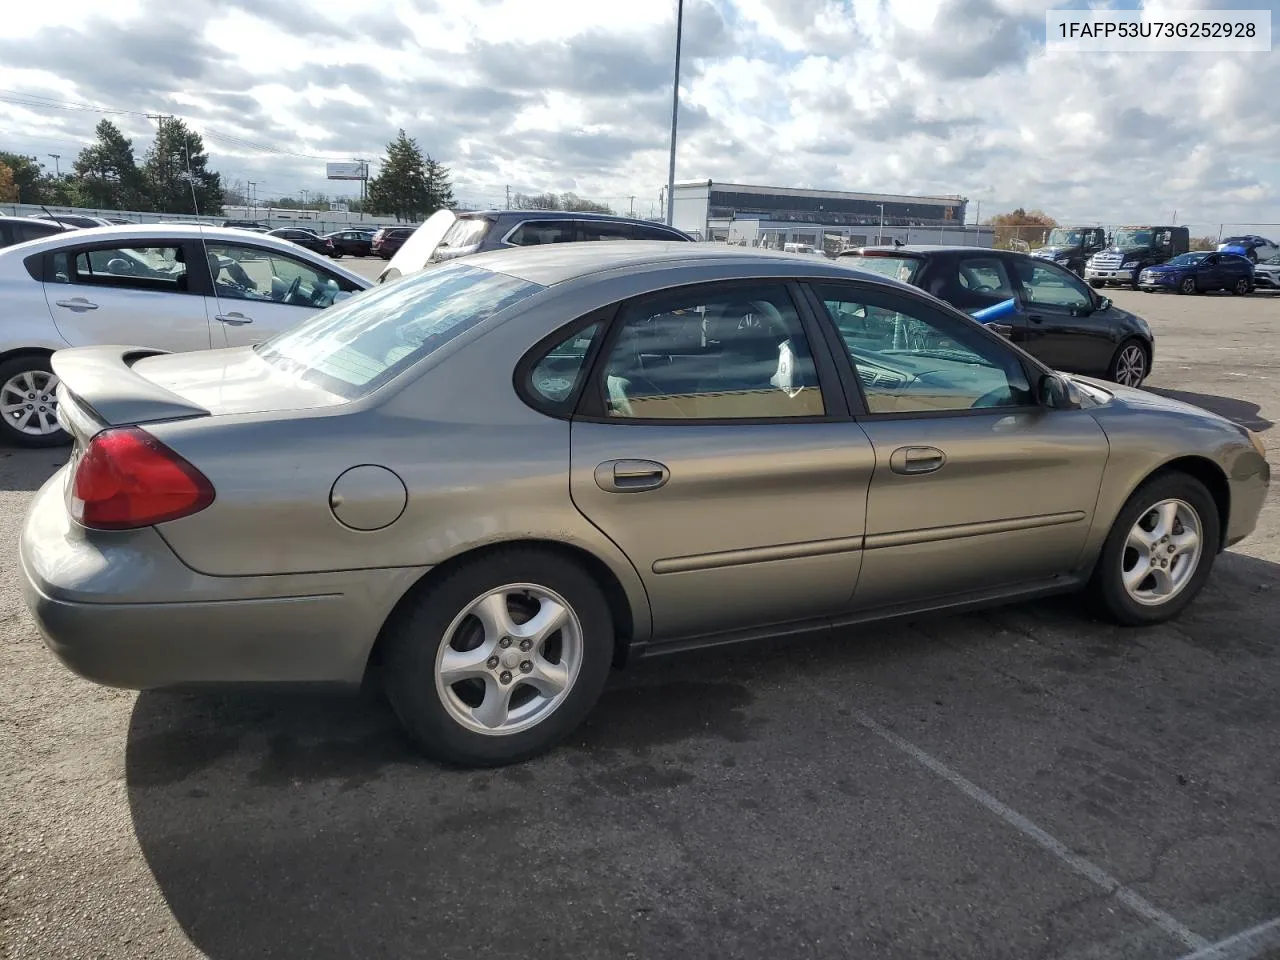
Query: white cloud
[[924, 96]]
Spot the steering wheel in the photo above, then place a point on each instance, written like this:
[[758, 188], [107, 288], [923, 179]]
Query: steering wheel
[[999, 397], [293, 288]]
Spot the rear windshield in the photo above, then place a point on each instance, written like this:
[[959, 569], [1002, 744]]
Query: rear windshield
[[895, 268], [466, 232], [355, 347]]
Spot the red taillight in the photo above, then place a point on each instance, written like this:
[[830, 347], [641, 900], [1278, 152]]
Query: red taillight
[[128, 479]]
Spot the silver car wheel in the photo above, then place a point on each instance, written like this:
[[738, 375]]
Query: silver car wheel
[[29, 403], [509, 659], [1131, 366], [1161, 553]]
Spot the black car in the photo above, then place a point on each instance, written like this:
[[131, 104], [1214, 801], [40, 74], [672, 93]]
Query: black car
[[20, 229], [351, 243], [304, 238], [1199, 272], [1051, 313]]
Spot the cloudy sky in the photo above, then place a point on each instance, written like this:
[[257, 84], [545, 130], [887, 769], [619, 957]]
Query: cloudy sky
[[907, 96]]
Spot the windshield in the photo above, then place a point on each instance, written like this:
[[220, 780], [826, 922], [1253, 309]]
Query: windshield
[[466, 232], [1065, 238], [356, 347], [1187, 259], [1133, 238], [895, 268]]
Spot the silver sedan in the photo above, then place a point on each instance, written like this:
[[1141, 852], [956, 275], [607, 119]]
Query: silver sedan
[[497, 479]]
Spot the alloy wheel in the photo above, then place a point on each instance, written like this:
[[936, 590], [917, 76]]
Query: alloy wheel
[[509, 659], [29, 403], [1131, 366], [1189, 285], [1161, 553]]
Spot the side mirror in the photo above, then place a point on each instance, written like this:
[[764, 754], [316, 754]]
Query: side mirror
[[1104, 303], [1059, 393]]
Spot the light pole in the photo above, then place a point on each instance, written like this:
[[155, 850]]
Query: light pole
[[880, 236], [675, 111], [57, 171]]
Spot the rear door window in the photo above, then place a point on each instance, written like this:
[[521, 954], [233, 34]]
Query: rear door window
[[162, 269], [896, 268]]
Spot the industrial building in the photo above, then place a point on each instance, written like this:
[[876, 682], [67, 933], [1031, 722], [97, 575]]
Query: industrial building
[[788, 218]]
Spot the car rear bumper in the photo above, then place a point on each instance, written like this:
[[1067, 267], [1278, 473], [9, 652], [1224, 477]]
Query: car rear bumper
[[122, 609]]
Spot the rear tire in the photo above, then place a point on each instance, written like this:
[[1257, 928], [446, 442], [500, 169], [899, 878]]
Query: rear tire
[[21, 399], [470, 626], [1119, 588]]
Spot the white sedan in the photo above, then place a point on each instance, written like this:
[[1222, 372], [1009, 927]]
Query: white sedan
[[174, 287]]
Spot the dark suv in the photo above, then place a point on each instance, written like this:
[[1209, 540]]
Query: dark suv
[[387, 240], [496, 229], [20, 229]]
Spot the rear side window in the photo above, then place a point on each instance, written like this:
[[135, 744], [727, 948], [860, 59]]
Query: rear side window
[[534, 232], [553, 381], [355, 347], [605, 230]]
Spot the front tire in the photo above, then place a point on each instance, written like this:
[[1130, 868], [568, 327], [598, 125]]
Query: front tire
[[1241, 287], [1188, 285], [1130, 365], [1159, 553], [1097, 284], [501, 659], [28, 404]]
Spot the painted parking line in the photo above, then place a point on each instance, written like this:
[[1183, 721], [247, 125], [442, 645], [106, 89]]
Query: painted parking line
[[1090, 871], [1247, 945]]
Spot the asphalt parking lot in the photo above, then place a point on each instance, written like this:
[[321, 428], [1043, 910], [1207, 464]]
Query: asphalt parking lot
[[1020, 783]]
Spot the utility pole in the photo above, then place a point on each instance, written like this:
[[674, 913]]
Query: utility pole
[[57, 171], [633, 205], [253, 197], [191, 179], [675, 112], [508, 196]]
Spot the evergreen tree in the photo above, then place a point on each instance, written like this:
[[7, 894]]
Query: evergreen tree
[[410, 185], [175, 164], [108, 175]]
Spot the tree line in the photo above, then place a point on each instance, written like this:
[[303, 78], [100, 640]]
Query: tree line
[[173, 176]]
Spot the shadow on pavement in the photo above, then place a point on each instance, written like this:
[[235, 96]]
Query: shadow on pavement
[[729, 804], [28, 469], [1243, 412]]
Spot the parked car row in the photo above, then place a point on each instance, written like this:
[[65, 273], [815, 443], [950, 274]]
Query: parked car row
[[487, 482]]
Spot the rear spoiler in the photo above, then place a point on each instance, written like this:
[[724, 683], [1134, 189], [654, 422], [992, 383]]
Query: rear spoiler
[[101, 381]]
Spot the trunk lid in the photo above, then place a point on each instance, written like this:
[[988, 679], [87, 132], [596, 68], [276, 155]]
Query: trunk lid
[[119, 385]]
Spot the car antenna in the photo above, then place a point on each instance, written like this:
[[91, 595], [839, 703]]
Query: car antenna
[[52, 216]]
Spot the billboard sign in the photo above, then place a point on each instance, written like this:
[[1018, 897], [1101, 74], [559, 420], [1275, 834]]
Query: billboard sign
[[347, 171]]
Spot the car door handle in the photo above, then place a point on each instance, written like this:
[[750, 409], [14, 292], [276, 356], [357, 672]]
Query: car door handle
[[77, 304], [1035, 318], [631, 476], [234, 319], [911, 460]]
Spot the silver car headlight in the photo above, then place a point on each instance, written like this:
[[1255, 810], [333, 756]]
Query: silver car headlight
[[1256, 440], [1129, 265]]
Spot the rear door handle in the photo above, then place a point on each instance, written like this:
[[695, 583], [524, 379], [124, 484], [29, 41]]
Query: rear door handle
[[631, 476], [910, 460], [77, 304], [234, 319]]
